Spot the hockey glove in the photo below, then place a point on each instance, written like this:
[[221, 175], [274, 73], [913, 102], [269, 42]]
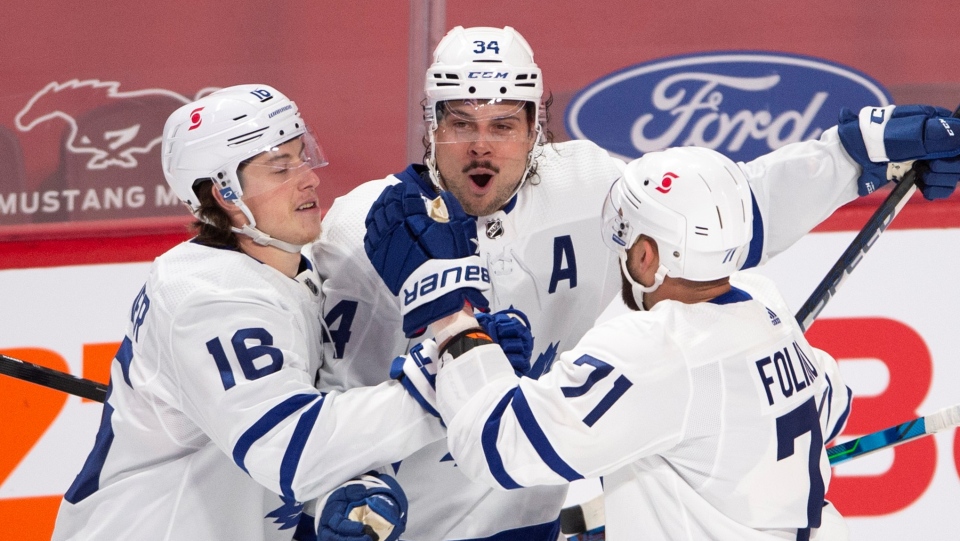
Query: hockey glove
[[879, 135], [510, 329], [417, 372], [370, 507], [939, 178], [429, 259]]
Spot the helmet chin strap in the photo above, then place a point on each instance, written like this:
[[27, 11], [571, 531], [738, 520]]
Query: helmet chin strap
[[637, 288], [259, 237]]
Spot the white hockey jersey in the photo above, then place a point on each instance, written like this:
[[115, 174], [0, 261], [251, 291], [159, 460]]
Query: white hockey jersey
[[706, 421], [213, 427], [546, 258]]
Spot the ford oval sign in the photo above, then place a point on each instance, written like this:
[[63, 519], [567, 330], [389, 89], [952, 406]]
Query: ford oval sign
[[743, 104]]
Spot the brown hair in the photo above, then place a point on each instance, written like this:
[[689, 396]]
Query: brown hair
[[212, 226]]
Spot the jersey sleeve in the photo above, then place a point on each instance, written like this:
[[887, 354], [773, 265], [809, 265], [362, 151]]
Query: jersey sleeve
[[510, 432], [240, 372], [362, 318], [795, 188]]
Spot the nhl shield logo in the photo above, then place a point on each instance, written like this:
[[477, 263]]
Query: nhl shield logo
[[494, 229]]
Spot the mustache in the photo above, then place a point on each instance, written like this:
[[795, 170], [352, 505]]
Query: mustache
[[481, 165]]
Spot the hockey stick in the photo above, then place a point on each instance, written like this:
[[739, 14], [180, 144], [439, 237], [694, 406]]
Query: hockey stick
[[53, 379], [864, 240], [895, 435], [584, 522]]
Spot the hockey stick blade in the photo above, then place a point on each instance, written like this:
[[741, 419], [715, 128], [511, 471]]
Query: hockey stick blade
[[53, 379], [574, 524], [895, 435], [864, 240]]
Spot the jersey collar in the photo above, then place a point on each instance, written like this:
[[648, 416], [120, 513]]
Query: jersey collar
[[733, 296]]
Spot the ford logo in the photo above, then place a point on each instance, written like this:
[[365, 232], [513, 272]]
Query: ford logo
[[743, 104]]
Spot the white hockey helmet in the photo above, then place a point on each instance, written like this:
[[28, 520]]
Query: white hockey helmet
[[485, 65], [695, 202], [209, 138]]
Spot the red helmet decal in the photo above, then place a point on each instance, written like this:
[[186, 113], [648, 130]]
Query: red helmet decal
[[666, 182], [195, 118]]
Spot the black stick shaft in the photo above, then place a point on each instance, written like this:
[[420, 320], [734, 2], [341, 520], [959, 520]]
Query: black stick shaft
[[53, 379], [864, 240]]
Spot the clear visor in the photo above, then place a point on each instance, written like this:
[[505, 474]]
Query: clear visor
[[496, 120], [278, 165], [616, 230]]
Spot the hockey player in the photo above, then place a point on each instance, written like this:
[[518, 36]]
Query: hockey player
[[535, 206], [706, 412], [213, 427]]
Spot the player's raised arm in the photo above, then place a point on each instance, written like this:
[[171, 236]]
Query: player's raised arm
[[801, 184]]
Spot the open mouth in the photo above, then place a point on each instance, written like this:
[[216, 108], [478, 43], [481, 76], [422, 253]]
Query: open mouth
[[306, 206], [481, 179]]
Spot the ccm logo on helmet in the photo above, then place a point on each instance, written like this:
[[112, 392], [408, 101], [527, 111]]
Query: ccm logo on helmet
[[488, 75], [666, 182], [447, 278]]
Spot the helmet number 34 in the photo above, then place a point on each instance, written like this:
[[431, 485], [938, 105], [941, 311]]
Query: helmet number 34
[[483, 47]]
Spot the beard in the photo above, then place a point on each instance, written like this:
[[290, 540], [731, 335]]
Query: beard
[[626, 293]]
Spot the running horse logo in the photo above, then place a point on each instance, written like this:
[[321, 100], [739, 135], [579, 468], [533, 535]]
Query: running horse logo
[[136, 131]]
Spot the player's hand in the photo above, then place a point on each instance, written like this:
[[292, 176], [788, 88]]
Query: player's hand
[[510, 329], [878, 135], [429, 259], [371, 507], [938, 178], [417, 372]]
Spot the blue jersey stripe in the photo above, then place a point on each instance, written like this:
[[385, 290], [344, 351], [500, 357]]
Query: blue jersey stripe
[[843, 416], [539, 440], [291, 457], [88, 480], [488, 440], [266, 423], [755, 251], [124, 357]]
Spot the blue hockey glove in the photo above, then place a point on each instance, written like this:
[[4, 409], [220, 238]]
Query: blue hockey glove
[[510, 329], [939, 178], [878, 135], [428, 259], [370, 507], [417, 372]]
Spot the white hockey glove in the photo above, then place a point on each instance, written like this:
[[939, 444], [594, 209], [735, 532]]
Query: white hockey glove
[[417, 372], [370, 507]]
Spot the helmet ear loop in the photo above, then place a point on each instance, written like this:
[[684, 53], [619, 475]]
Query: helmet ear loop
[[638, 288], [430, 115], [258, 236]]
